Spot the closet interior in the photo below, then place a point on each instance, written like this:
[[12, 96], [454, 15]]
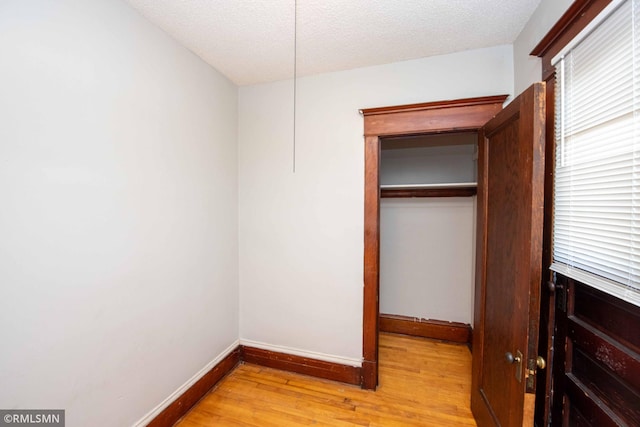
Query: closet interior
[[427, 226]]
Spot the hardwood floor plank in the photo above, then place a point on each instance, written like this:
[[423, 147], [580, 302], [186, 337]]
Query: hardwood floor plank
[[422, 382]]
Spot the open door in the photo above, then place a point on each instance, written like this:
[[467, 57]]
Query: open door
[[508, 267]]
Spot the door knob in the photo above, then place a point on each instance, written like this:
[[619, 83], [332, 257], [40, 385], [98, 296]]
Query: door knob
[[511, 358], [515, 360], [539, 363]]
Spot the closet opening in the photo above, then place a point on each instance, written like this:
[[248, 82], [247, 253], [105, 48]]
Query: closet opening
[[394, 125], [427, 235]]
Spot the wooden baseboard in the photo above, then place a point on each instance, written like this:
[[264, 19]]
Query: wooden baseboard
[[271, 359], [179, 407], [303, 365], [426, 328], [365, 376]]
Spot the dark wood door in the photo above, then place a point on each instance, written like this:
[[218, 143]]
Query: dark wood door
[[508, 267]]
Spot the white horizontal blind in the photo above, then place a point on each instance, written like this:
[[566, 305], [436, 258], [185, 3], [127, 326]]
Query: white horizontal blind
[[597, 172]]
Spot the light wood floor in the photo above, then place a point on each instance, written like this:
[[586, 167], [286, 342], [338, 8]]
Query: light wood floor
[[422, 383]]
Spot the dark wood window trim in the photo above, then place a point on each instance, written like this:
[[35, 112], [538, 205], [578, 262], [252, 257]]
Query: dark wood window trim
[[415, 119], [552, 326], [575, 19]]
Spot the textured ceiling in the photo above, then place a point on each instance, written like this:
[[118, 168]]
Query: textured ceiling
[[251, 41]]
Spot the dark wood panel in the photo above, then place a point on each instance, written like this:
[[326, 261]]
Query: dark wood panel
[[621, 360], [428, 192], [302, 365], [618, 319], [179, 407], [588, 405], [600, 382], [622, 398], [576, 419], [426, 328]]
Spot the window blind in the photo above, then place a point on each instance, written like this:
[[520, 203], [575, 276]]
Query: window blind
[[596, 236]]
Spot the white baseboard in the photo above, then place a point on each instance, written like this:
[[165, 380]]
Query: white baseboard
[[303, 353], [184, 387]]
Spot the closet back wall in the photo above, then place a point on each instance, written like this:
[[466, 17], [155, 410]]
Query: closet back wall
[[426, 257], [427, 246]]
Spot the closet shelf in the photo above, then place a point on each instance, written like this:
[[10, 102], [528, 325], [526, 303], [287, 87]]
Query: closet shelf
[[433, 186], [457, 189]]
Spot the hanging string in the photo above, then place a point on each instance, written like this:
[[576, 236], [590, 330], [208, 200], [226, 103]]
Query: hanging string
[[295, 75]]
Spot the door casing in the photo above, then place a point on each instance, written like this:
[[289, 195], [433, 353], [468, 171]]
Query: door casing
[[462, 115]]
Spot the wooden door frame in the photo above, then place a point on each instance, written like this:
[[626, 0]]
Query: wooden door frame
[[461, 115]]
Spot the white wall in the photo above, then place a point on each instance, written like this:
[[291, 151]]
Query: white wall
[[416, 163], [428, 165], [118, 182], [528, 69], [301, 235], [427, 250]]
